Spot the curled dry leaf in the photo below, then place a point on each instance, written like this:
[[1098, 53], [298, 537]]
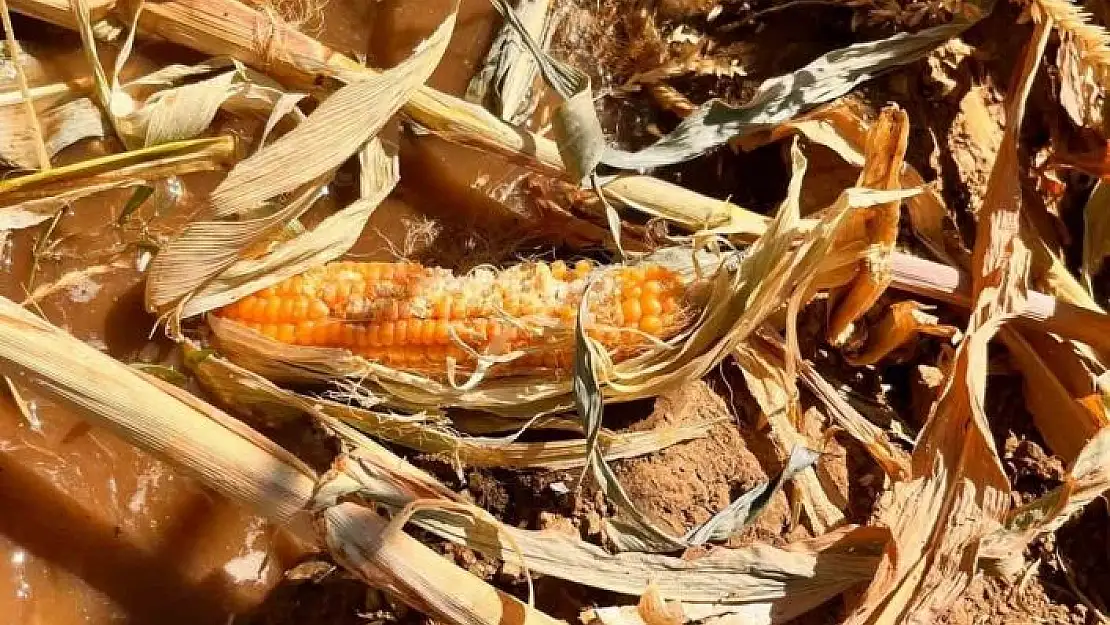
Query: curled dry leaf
[[958, 492], [902, 323], [885, 152], [842, 129]]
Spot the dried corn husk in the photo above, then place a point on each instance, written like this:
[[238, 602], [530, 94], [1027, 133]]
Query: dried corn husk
[[300, 159], [252, 394], [776, 584]]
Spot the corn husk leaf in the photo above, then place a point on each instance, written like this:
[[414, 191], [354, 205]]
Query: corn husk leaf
[[301, 158], [1096, 233], [878, 225], [774, 583], [902, 323], [1088, 478], [506, 83], [62, 126], [251, 394], [776, 395], [327, 241], [32, 199], [959, 491], [842, 130], [1061, 394]]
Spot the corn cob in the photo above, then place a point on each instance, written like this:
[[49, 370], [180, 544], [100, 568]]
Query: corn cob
[[414, 318]]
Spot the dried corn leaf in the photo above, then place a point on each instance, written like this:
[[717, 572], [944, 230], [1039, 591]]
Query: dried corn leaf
[[302, 157], [775, 584], [744, 509], [776, 395], [334, 131], [506, 82], [1087, 479], [382, 555], [582, 143], [1096, 233], [842, 130], [176, 112], [191, 435], [785, 97], [664, 200], [889, 457], [959, 491], [34, 198], [878, 225], [1059, 391], [902, 323]]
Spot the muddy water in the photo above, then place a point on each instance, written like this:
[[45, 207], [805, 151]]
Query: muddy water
[[94, 531]]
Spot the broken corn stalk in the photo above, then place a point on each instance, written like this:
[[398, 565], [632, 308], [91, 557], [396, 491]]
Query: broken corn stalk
[[418, 319]]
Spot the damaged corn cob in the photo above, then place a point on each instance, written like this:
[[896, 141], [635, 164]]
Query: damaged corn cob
[[415, 318]]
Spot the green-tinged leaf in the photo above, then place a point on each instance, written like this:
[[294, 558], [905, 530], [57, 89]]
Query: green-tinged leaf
[[745, 508], [138, 197], [781, 98], [777, 100], [162, 372], [587, 394]]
